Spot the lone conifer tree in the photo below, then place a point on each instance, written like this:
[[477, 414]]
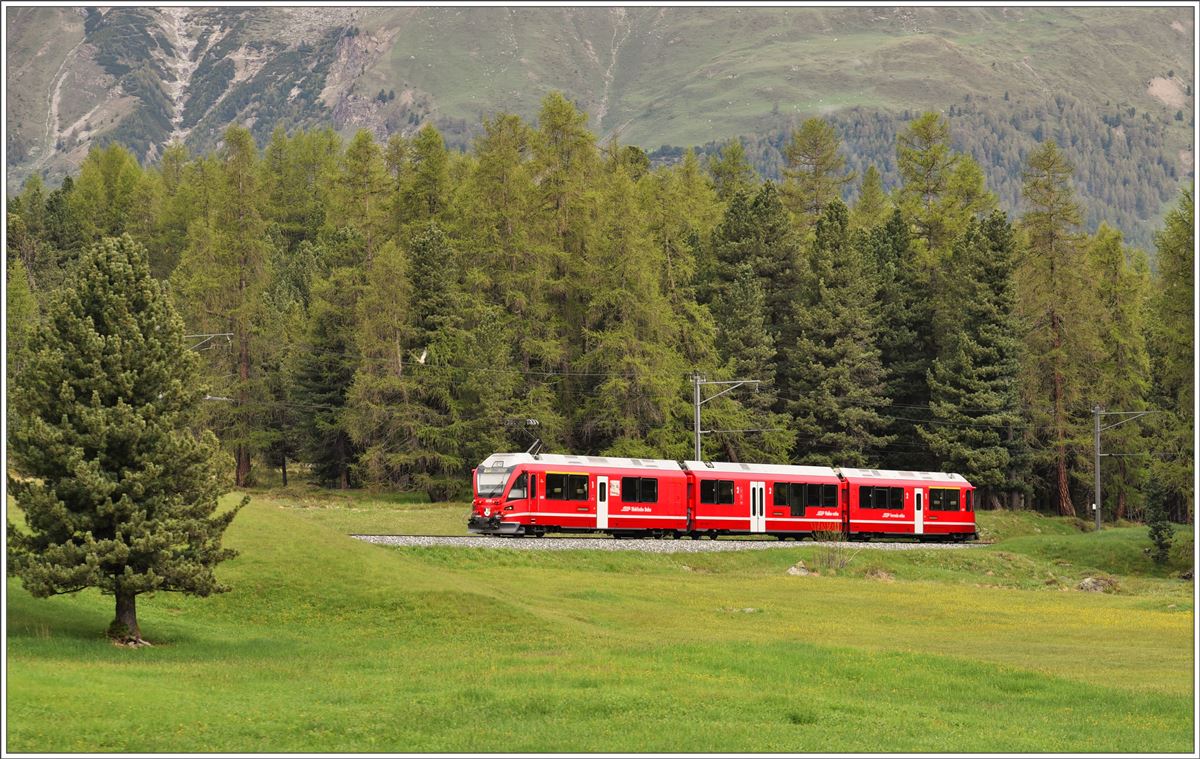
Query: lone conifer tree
[[118, 489]]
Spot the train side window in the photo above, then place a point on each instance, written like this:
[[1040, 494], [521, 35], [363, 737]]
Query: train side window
[[815, 496], [556, 487], [629, 489], [896, 499], [725, 492], [880, 498], [578, 487], [864, 496], [649, 490], [970, 500], [795, 496], [781, 494], [828, 496], [708, 491], [952, 500], [532, 485], [936, 499], [519, 487]]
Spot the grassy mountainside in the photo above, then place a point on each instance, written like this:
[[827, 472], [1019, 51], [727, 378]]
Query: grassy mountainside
[[652, 76], [329, 644]]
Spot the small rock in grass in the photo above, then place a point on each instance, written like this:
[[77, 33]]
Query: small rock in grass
[[1185, 574], [799, 570], [1097, 585]]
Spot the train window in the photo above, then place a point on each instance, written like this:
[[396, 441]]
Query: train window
[[629, 489], [943, 499], [518, 488], [532, 485], [578, 487], [896, 499], [556, 487], [829, 496], [970, 500], [812, 496], [781, 493], [796, 498], [649, 490], [725, 492], [716, 492], [639, 490]]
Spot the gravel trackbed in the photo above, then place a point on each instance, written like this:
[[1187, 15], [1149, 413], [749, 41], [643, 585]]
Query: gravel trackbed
[[649, 546]]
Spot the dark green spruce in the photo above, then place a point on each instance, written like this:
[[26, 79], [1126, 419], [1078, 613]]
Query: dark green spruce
[[118, 487]]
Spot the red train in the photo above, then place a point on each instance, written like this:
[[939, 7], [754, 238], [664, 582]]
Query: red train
[[523, 494]]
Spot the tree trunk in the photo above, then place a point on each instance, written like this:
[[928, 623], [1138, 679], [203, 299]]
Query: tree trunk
[[124, 627], [283, 469], [1065, 507], [344, 478], [243, 466]]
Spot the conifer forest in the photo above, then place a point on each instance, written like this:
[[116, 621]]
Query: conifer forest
[[386, 314]]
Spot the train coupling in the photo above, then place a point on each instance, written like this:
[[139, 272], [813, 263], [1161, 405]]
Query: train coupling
[[491, 525]]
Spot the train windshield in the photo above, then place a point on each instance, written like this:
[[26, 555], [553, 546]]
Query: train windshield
[[489, 481]]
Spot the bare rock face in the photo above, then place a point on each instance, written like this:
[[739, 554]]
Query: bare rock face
[[1097, 585]]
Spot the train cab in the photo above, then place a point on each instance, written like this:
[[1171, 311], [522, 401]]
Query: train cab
[[504, 489]]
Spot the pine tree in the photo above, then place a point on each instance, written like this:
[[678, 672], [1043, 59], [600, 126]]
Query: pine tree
[[873, 207], [1060, 344], [973, 382], [360, 193], [426, 191], [21, 320], [222, 278], [837, 398], [633, 401], [119, 493], [324, 369], [941, 190], [758, 233], [1172, 316], [731, 172], [816, 171], [432, 453], [104, 195], [906, 344], [746, 351], [1120, 280]]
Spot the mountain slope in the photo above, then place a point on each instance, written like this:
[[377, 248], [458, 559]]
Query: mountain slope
[[653, 76]]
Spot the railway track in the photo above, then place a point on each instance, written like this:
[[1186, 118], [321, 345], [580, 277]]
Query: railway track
[[634, 544]]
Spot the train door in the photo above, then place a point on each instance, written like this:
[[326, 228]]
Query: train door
[[601, 503], [758, 507], [918, 512]]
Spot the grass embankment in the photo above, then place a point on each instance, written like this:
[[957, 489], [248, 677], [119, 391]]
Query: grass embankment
[[329, 644]]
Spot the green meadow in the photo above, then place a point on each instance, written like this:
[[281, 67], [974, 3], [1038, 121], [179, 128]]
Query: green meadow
[[329, 644]]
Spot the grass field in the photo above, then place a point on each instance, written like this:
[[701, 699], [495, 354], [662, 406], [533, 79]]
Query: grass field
[[330, 644]]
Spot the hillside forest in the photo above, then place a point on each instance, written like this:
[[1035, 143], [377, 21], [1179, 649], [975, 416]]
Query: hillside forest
[[385, 315]]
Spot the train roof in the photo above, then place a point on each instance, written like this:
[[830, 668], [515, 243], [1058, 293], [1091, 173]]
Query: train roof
[[892, 474], [783, 469], [558, 459]]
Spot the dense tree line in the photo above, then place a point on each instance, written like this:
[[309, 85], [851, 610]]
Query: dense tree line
[[389, 314], [1127, 164]]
